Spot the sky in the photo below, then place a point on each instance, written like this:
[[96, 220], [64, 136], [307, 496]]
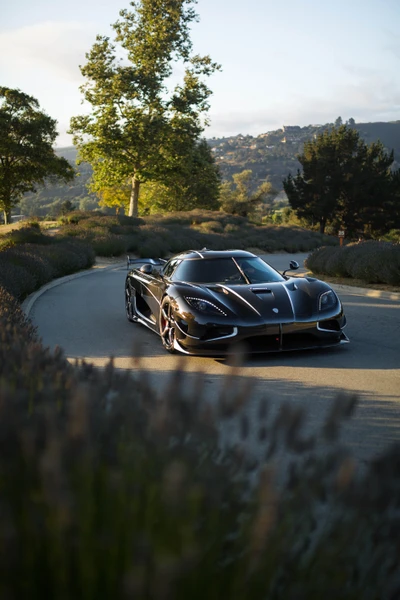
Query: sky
[[284, 62]]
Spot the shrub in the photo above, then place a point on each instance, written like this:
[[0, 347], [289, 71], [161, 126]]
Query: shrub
[[15, 278], [24, 235], [28, 257], [371, 262], [109, 245], [69, 256], [176, 232], [214, 226], [26, 267], [14, 326], [231, 228], [76, 216]]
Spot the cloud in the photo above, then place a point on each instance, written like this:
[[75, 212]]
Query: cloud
[[369, 96], [52, 47], [393, 43]]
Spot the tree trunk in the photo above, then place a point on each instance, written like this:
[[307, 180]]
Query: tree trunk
[[7, 217], [133, 203], [322, 224]]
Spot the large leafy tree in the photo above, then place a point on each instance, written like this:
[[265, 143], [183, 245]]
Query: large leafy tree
[[344, 181], [187, 184], [139, 127], [237, 196], [27, 157]]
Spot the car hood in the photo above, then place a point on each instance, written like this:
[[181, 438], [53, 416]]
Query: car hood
[[295, 298]]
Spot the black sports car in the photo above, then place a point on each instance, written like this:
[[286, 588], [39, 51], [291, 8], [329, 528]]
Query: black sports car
[[205, 302]]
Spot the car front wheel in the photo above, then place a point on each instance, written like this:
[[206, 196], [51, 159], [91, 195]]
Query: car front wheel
[[130, 305], [167, 325]]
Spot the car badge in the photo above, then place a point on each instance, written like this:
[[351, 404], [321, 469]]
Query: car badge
[[275, 310]]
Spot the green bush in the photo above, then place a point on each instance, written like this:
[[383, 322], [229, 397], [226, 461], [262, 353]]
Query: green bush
[[162, 235], [14, 327], [28, 257], [15, 278], [392, 236], [26, 267], [68, 256], [76, 216], [211, 226], [371, 262], [30, 234], [109, 245]]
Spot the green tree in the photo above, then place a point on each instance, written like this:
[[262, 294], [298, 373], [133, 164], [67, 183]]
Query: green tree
[[27, 157], [186, 185], [137, 122], [237, 198], [344, 181], [67, 207], [116, 196]]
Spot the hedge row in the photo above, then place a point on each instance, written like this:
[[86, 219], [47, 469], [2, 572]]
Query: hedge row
[[371, 262], [161, 235], [111, 489], [27, 265]]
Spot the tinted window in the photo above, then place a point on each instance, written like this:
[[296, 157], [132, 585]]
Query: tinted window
[[257, 271], [170, 267], [216, 270]]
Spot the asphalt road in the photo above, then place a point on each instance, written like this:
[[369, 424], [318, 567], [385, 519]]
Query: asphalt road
[[85, 316]]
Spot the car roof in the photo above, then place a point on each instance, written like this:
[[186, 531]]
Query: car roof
[[204, 253]]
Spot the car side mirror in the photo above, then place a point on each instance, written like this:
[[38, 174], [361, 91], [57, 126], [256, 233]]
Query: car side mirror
[[293, 266], [146, 269]]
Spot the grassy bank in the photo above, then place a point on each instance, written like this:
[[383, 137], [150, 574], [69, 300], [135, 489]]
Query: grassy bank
[[29, 259], [162, 235]]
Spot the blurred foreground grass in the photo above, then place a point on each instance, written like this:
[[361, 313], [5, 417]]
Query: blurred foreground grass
[[112, 489]]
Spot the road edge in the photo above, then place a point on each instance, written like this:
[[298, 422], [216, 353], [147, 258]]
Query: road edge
[[30, 300]]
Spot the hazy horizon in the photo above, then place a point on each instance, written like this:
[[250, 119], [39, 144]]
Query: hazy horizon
[[287, 63]]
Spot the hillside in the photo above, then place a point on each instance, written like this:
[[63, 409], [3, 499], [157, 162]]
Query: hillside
[[270, 155]]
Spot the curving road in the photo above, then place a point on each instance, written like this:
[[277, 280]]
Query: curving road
[[85, 316]]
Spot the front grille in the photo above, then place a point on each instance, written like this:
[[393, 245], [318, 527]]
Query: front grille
[[297, 341], [329, 325], [264, 343], [217, 332]]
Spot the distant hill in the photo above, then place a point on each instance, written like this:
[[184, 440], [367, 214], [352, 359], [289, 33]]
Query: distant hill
[[270, 155]]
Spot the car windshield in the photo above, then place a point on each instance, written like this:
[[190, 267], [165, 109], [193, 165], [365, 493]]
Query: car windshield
[[226, 270]]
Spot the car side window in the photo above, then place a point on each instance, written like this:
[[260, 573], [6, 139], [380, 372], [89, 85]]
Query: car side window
[[170, 267]]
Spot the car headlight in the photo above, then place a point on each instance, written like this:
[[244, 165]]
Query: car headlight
[[327, 300], [204, 306]]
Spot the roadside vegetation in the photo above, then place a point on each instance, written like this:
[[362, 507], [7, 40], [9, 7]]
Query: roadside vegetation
[[30, 256], [169, 233], [29, 259], [110, 488], [369, 262], [346, 184]]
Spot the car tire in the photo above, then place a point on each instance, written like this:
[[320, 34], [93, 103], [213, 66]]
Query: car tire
[[130, 304], [167, 325]]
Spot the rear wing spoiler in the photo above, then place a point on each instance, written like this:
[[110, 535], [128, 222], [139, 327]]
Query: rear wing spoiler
[[138, 262]]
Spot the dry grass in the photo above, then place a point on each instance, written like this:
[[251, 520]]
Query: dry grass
[[7, 228]]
